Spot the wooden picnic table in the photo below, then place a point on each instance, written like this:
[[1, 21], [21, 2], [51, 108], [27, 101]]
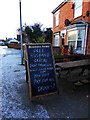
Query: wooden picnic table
[[71, 66]]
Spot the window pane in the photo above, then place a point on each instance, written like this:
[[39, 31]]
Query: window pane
[[56, 40], [79, 34], [57, 18], [72, 35], [72, 38], [78, 8], [78, 12], [71, 43], [78, 3], [79, 45]]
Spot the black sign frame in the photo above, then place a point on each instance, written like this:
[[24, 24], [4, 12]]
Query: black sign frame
[[42, 78]]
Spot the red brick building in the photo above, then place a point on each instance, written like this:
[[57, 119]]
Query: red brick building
[[71, 25]]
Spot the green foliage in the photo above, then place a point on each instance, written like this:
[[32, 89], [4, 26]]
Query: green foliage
[[34, 34], [39, 40], [48, 35], [28, 31]]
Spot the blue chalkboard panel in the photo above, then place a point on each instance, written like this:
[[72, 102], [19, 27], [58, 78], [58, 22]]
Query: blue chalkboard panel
[[42, 77]]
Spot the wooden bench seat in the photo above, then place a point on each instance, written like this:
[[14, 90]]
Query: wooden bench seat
[[70, 67]]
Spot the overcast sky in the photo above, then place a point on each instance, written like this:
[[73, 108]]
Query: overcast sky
[[33, 11]]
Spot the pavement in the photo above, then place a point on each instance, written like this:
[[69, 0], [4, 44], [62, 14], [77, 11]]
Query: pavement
[[15, 100]]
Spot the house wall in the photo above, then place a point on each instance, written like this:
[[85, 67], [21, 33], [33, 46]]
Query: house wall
[[88, 46], [67, 12], [88, 43]]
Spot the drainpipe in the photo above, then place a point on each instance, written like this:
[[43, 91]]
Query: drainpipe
[[87, 30]]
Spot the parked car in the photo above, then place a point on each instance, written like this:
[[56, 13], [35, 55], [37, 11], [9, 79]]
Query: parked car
[[13, 41], [2, 43]]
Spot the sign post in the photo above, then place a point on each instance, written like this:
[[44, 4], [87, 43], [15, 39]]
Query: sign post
[[21, 33]]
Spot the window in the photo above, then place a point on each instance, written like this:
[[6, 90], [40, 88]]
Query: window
[[72, 38], [57, 18], [76, 40], [56, 40], [78, 8], [79, 40]]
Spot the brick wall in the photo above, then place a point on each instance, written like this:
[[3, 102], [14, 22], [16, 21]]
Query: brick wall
[[67, 12]]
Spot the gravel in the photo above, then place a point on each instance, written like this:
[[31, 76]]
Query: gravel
[[15, 102]]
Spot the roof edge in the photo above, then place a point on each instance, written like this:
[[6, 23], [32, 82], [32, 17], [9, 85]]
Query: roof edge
[[59, 6]]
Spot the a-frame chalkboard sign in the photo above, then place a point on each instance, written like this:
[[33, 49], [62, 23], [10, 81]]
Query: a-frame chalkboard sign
[[41, 70]]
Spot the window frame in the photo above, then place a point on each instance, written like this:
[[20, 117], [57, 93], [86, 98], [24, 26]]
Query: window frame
[[57, 14], [79, 49], [72, 40], [77, 8], [57, 39]]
